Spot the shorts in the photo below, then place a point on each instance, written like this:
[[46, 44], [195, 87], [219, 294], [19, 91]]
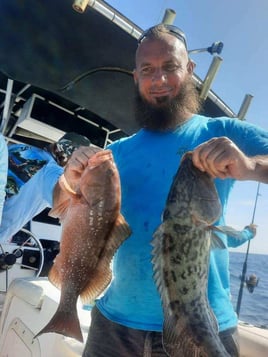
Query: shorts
[[109, 339]]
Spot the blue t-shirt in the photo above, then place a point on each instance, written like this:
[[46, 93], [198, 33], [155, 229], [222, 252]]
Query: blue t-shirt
[[32, 175], [147, 163]]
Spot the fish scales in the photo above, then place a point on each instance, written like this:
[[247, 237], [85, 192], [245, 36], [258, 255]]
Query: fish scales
[[92, 230], [181, 247]]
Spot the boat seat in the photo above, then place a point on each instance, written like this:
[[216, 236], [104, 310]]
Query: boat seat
[[28, 306], [253, 341]]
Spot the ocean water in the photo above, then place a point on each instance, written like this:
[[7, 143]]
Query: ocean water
[[254, 306]]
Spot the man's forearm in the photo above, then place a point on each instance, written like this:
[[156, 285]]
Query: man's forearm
[[260, 172]]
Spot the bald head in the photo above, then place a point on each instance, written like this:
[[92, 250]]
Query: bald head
[[164, 71]]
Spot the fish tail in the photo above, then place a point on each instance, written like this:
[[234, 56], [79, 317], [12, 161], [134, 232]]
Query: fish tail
[[178, 339], [65, 323]]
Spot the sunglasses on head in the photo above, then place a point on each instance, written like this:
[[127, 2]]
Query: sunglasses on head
[[172, 30]]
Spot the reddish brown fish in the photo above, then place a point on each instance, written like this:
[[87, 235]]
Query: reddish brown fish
[[92, 231]]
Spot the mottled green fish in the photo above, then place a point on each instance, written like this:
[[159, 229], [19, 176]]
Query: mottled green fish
[[181, 248]]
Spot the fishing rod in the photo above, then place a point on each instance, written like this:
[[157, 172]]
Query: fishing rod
[[244, 271]]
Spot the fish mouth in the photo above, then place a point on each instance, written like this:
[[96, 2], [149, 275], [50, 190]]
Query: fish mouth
[[99, 158]]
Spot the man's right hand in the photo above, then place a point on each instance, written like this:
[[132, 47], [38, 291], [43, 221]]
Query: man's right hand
[[77, 164]]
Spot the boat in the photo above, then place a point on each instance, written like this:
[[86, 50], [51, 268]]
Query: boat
[[67, 66]]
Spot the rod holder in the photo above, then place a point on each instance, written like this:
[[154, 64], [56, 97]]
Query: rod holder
[[212, 71], [169, 17], [244, 106], [80, 5]]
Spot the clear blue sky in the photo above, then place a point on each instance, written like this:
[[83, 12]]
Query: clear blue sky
[[242, 25]]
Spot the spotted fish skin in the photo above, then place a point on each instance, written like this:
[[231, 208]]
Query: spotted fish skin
[[181, 247], [92, 230]]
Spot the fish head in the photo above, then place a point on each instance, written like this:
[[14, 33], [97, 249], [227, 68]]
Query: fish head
[[193, 193], [205, 202], [100, 180]]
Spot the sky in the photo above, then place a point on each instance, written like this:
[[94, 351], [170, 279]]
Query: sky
[[242, 25]]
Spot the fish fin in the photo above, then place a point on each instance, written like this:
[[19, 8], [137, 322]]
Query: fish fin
[[121, 230], [119, 233], [102, 274], [213, 320], [65, 323], [157, 259], [157, 238], [177, 340], [54, 276], [216, 242], [101, 278], [60, 210]]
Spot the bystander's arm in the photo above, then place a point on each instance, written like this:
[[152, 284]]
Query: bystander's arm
[[3, 172], [241, 237]]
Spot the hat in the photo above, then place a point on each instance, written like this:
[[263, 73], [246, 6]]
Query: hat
[[66, 145], [76, 139]]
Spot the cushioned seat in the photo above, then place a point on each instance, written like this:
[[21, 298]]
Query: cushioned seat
[[29, 305]]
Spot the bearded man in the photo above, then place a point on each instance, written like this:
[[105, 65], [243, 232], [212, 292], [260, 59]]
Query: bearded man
[[127, 320]]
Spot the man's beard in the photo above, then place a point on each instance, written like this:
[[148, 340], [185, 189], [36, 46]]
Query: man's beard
[[171, 112]]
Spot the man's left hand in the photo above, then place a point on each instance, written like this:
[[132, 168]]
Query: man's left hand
[[220, 157]]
